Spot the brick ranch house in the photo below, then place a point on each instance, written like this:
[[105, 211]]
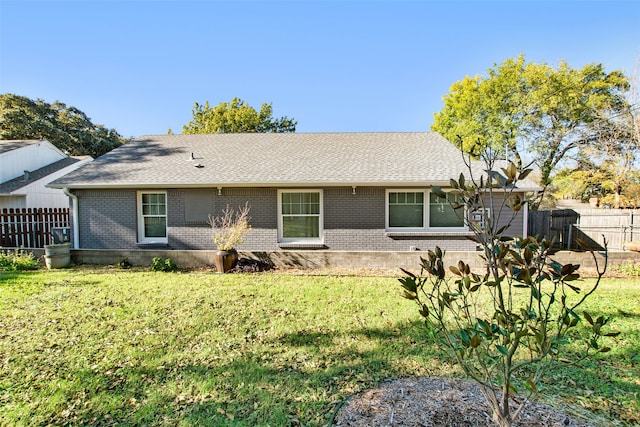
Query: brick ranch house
[[307, 191]]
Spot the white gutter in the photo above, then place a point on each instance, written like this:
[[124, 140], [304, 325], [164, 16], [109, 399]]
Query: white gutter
[[74, 202]]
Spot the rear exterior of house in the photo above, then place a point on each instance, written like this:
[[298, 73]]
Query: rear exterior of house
[[338, 192], [332, 218]]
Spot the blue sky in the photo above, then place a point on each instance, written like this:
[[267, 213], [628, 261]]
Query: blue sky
[[358, 66]]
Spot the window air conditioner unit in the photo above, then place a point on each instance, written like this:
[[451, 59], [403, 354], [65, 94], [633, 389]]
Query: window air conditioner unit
[[60, 235]]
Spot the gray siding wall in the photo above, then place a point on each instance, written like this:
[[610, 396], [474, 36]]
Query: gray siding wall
[[352, 222], [107, 219], [517, 224], [197, 234]]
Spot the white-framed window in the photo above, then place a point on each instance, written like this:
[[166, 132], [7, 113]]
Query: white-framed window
[[421, 210], [406, 210], [152, 217], [442, 214], [300, 216]]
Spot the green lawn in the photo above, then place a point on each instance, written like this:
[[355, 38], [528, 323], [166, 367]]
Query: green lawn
[[118, 347]]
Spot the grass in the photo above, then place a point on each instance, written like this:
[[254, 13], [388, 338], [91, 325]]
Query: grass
[[114, 347]]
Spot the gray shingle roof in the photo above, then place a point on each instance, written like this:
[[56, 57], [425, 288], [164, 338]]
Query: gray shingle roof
[[272, 159], [19, 182], [14, 144]]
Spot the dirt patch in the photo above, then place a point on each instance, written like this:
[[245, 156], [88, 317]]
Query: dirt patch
[[432, 402]]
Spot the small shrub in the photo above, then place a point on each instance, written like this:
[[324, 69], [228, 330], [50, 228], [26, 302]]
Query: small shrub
[[159, 264], [18, 260], [507, 345], [230, 228]]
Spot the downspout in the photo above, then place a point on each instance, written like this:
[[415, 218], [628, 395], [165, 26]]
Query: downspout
[[525, 220], [74, 203]]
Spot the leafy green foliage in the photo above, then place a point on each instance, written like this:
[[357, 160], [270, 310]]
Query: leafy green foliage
[[606, 167], [550, 111], [67, 128], [17, 260], [236, 117], [163, 265], [610, 189], [508, 345]]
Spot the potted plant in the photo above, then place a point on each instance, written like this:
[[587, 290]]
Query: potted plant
[[229, 230], [57, 255]]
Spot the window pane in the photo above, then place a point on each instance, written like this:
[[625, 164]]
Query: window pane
[[155, 227], [300, 203], [300, 226], [442, 214], [406, 198], [406, 216], [295, 208], [451, 198], [406, 209], [310, 208]]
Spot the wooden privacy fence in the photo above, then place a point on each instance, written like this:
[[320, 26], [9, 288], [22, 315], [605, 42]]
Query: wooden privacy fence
[[553, 225], [31, 227], [617, 226]]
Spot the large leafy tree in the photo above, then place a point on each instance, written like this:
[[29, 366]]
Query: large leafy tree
[[607, 166], [67, 128], [551, 112], [236, 117]]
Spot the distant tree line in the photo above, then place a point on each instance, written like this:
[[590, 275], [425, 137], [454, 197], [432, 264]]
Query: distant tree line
[[67, 128], [72, 131]]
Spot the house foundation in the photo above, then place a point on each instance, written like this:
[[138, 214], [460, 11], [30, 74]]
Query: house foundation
[[323, 259]]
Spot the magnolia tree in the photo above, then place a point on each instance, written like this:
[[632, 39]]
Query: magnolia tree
[[505, 324]]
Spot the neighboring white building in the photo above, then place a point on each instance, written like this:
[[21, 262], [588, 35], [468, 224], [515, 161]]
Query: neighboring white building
[[26, 167]]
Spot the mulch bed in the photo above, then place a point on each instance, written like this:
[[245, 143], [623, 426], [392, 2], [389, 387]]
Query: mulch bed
[[431, 402]]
